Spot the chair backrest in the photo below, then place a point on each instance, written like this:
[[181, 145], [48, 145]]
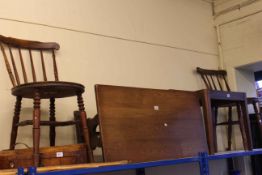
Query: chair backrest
[[214, 79], [23, 54]]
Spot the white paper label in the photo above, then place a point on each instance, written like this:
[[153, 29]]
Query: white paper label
[[156, 108], [59, 154], [228, 95]]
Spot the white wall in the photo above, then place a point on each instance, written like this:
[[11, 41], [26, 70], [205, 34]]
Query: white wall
[[149, 43], [224, 5], [148, 20], [241, 45], [241, 40]]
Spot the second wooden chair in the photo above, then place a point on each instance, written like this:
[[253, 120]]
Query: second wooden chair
[[216, 80]]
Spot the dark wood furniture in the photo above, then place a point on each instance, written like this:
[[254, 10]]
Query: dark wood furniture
[[139, 124], [49, 156], [256, 160], [218, 94], [214, 99], [257, 112], [16, 54], [92, 125]]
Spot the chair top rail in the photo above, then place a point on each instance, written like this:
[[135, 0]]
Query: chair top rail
[[211, 72], [27, 44]]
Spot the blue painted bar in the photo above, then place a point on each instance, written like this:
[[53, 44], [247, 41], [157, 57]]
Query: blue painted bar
[[32, 171], [131, 166], [20, 171], [202, 159], [203, 163], [232, 154]]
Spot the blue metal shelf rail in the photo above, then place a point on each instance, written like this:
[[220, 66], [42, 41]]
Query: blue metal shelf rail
[[202, 159]]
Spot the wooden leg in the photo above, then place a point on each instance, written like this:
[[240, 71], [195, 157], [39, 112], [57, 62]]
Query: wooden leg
[[52, 133], [208, 119], [230, 165], [140, 171], [84, 127], [258, 117], [246, 126], [79, 132], [254, 103], [15, 122], [216, 114], [214, 117], [229, 129], [241, 125], [36, 129]]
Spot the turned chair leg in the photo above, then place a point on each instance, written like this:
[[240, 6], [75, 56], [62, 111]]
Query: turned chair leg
[[215, 114], [15, 123], [242, 127], [258, 117], [52, 132], [79, 133], [36, 129], [84, 127], [229, 129], [246, 127]]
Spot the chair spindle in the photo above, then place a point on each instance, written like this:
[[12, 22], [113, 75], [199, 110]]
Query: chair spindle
[[43, 65], [8, 67], [209, 83], [55, 66], [213, 82], [204, 79], [14, 65], [219, 83], [22, 65], [227, 86], [32, 66]]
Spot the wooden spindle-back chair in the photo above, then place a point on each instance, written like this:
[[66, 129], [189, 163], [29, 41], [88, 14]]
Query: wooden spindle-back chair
[[17, 54], [216, 80]]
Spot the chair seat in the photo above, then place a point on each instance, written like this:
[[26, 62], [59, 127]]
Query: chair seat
[[227, 96], [251, 100], [48, 89]]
